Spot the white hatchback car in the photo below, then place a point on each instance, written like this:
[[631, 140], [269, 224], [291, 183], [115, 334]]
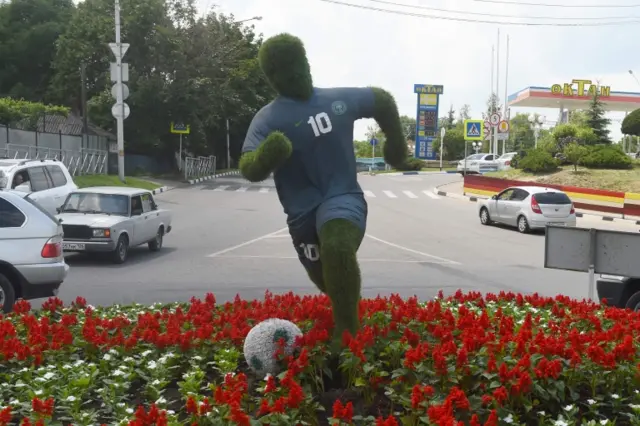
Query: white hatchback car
[[528, 208], [47, 181]]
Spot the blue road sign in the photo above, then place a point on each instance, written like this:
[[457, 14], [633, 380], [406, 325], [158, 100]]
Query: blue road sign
[[373, 141], [473, 130]]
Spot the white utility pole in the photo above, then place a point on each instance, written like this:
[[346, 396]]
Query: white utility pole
[[506, 94], [120, 91], [228, 147], [495, 129]]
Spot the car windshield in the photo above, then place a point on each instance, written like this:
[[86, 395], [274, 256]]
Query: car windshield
[[476, 156], [87, 202], [552, 198]]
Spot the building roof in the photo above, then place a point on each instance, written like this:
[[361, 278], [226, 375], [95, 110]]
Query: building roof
[[542, 97]]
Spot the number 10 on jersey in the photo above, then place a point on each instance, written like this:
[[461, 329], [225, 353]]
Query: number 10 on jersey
[[321, 123]]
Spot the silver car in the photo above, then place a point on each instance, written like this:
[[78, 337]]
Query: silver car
[[32, 265], [105, 219], [528, 208]]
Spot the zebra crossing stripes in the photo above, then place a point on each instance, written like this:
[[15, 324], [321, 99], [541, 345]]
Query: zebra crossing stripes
[[384, 194]]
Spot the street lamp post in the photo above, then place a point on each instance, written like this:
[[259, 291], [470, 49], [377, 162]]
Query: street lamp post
[[634, 77]]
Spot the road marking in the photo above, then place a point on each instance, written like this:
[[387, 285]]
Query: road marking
[[369, 194], [410, 250], [410, 194], [242, 189], [389, 194], [246, 243], [431, 194], [264, 190], [359, 259], [221, 188]]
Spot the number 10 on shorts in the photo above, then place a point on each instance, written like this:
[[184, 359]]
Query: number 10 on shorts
[[311, 251]]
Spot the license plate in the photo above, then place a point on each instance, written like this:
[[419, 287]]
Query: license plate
[[72, 246], [557, 223]]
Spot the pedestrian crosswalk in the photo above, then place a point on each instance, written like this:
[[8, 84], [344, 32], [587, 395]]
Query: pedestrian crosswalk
[[384, 194]]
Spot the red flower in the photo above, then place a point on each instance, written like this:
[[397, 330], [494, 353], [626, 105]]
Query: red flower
[[343, 412], [389, 421], [43, 408]]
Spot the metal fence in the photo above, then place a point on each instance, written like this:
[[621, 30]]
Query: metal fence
[[79, 162], [196, 167]]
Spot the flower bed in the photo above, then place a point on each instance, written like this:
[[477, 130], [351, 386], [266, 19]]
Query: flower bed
[[481, 361]]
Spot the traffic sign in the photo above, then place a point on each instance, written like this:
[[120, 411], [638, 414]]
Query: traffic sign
[[487, 130], [503, 127], [125, 91], [180, 128], [373, 141], [503, 136], [116, 48], [473, 130], [116, 111], [494, 119]]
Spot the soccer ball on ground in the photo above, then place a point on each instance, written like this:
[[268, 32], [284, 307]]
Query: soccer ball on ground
[[261, 344]]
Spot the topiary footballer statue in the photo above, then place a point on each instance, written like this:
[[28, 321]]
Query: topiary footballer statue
[[305, 137]]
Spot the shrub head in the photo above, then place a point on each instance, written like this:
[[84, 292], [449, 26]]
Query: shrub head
[[283, 60]]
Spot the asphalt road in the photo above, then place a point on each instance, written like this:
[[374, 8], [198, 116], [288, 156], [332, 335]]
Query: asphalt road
[[229, 238]]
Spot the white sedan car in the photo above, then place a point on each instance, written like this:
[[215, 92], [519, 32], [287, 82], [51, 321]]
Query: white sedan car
[[478, 163], [528, 208], [505, 160]]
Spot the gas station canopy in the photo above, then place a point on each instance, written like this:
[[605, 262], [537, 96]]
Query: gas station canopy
[[573, 96]]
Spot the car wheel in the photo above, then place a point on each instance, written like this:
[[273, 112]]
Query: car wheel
[[634, 302], [7, 294], [156, 243], [523, 225], [122, 250], [485, 219]]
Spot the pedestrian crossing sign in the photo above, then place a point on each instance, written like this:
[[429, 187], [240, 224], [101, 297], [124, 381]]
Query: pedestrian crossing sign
[[473, 130]]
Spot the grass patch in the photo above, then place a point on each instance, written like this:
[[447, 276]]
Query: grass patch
[[614, 180], [112, 180], [424, 169]]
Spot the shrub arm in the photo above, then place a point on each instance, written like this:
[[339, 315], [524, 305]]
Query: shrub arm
[[386, 114], [256, 166]]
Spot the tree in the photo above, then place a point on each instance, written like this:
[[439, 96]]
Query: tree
[[27, 114], [575, 153], [520, 132], [409, 127], [464, 113], [493, 106], [631, 124], [579, 118], [362, 149], [451, 118], [597, 120], [29, 30], [453, 148]]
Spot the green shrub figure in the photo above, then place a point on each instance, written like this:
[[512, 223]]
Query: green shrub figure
[[305, 138], [538, 160], [606, 157], [411, 164]]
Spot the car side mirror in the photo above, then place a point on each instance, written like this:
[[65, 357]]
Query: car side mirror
[[494, 197], [58, 210]]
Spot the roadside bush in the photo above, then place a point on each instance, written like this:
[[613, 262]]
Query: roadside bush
[[606, 157], [412, 164], [538, 160]]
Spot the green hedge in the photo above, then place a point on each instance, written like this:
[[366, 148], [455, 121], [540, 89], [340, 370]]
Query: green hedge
[[537, 160], [412, 164], [606, 157]]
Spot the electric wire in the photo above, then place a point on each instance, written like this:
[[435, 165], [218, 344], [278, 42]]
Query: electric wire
[[495, 15], [580, 6], [482, 21]]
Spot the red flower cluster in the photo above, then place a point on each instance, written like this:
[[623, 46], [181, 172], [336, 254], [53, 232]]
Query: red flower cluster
[[432, 359]]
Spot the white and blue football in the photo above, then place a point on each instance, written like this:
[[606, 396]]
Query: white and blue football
[[261, 344]]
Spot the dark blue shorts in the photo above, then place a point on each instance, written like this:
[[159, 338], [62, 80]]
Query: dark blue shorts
[[305, 233]]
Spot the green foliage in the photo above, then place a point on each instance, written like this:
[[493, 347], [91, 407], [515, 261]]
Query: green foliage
[[597, 120], [575, 153], [256, 166], [362, 149], [13, 111], [453, 148], [538, 160], [386, 114], [411, 164], [409, 127], [631, 124], [283, 60], [606, 157]]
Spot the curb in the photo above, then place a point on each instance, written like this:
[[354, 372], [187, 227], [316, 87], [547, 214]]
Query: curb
[[438, 172], [578, 214], [202, 179], [161, 190]]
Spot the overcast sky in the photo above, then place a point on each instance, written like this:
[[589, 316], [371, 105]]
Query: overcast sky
[[356, 47]]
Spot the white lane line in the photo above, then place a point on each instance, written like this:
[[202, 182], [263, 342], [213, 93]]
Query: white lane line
[[242, 189], [431, 194], [369, 194], [221, 188], [389, 194], [409, 194], [264, 190], [246, 243], [410, 250], [359, 259]]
